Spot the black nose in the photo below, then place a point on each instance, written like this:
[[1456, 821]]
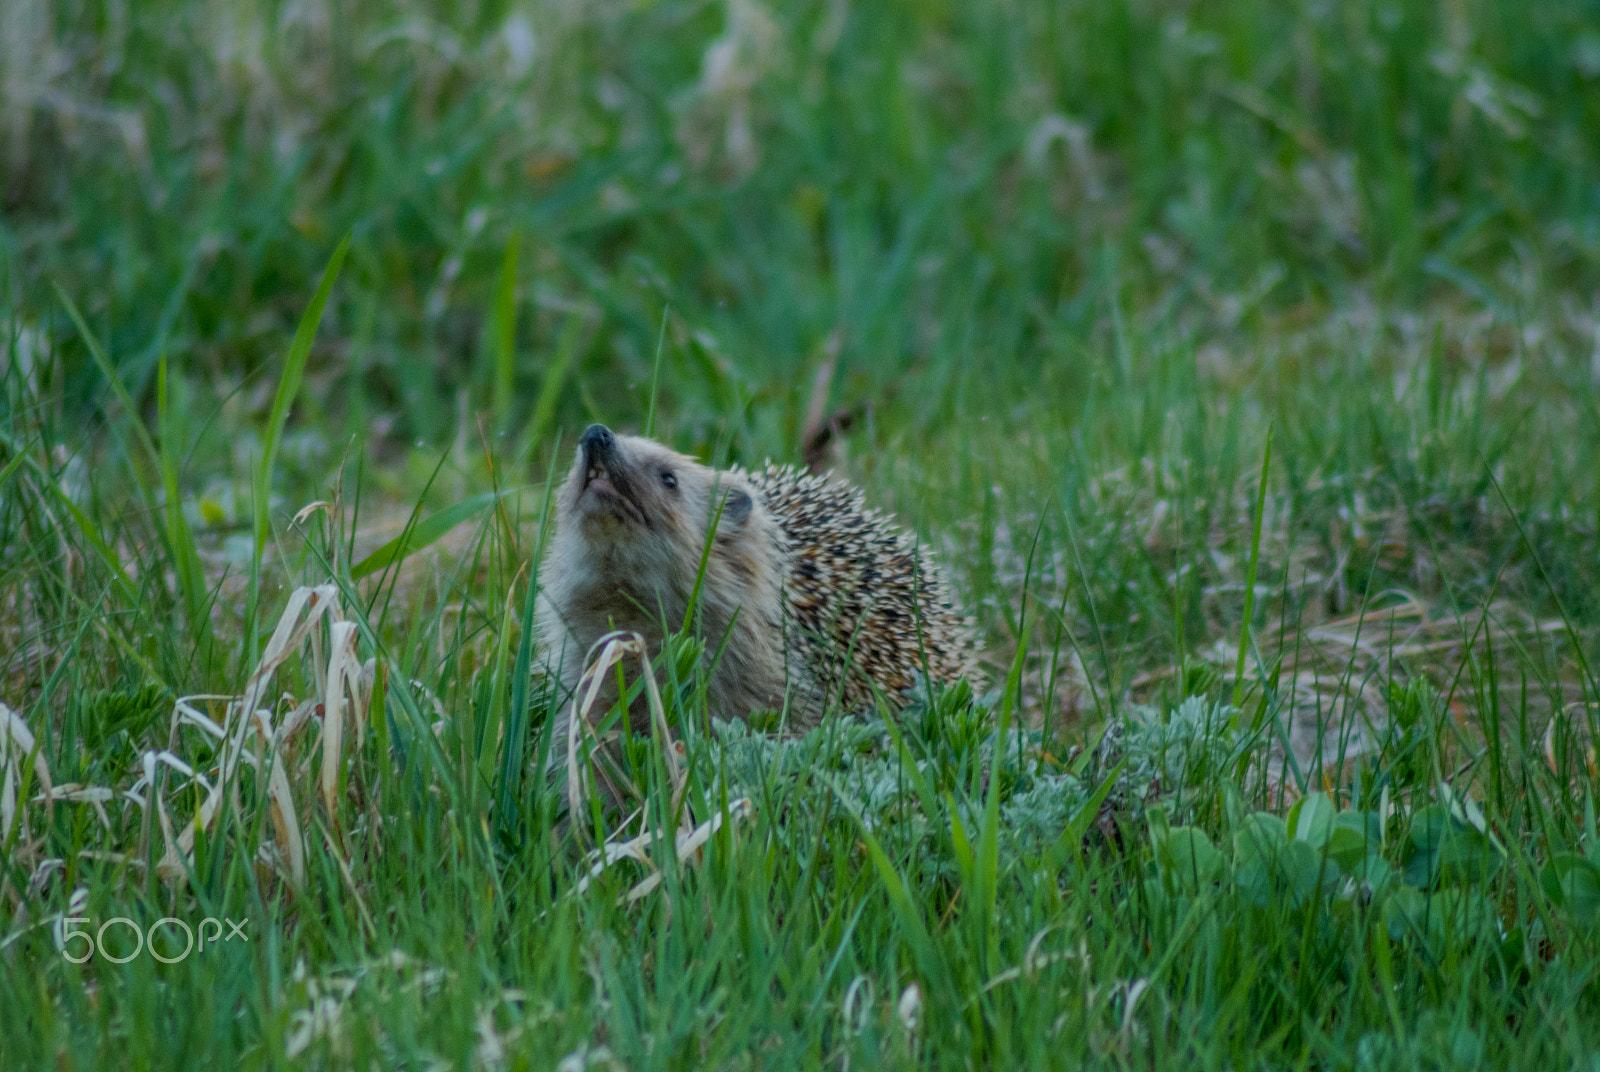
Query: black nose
[[597, 442]]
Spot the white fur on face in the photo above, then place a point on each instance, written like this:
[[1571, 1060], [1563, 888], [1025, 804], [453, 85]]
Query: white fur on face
[[626, 552]]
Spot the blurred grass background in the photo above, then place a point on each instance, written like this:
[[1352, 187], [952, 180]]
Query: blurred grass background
[[1032, 258], [1051, 270], [925, 189]]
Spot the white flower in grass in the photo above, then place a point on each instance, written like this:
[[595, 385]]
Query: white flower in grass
[[910, 1008]]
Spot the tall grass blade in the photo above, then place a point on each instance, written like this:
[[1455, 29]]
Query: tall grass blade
[[514, 747], [141, 434], [294, 367], [655, 374], [180, 538], [505, 334], [425, 532], [1250, 574], [555, 375]]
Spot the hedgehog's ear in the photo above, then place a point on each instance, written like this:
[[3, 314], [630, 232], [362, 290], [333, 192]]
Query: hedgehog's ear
[[735, 510]]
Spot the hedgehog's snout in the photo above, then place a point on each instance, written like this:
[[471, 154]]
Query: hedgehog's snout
[[604, 477], [599, 448]]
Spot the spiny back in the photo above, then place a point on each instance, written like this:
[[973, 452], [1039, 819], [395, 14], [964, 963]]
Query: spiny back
[[861, 593]]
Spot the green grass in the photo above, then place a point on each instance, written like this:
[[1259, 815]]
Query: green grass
[[1284, 759]]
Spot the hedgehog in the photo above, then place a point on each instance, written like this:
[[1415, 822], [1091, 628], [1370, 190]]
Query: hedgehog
[[809, 601]]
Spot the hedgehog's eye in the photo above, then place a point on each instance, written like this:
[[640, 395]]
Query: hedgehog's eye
[[668, 479]]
